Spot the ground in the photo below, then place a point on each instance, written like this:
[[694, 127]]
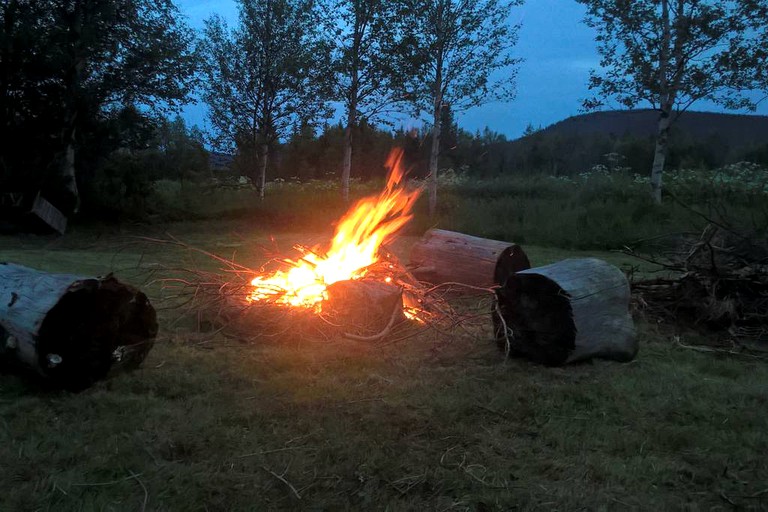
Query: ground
[[429, 423]]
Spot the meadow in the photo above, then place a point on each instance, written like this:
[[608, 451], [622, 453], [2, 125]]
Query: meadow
[[436, 422]]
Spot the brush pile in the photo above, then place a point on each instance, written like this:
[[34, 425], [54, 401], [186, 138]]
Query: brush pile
[[716, 281], [388, 302]]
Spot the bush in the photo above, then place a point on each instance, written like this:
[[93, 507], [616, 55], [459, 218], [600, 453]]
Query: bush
[[594, 210], [121, 187], [599, 209]]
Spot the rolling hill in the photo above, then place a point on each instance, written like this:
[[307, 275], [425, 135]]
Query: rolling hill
[[734, 129]]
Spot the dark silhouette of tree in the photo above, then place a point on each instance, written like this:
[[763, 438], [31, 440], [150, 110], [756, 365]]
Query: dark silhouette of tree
[[66, 62], [673, 53]]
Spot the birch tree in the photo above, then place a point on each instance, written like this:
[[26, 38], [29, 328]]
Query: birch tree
[[670, 54], [461, 57], [364, 35], [264, 75]]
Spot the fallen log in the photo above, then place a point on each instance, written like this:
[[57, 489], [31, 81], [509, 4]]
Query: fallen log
[[573, 310], [364, 309], [72, 330], [446, 256]]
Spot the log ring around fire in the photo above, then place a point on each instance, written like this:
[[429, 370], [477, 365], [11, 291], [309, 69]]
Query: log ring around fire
[[446, 256], [73, 330], [572, 310]]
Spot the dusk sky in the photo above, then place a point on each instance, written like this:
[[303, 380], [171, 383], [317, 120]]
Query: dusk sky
[[559, 50]]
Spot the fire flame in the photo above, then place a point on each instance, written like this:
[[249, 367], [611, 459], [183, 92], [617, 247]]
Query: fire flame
[[355, 246]]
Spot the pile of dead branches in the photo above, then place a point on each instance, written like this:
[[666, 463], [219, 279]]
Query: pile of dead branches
[[715, 281], [218, 300]]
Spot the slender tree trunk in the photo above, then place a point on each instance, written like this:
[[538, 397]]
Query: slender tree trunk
[[72, 106], [69, 179], [666, 102], [346, 168], [436, 127], [262, 181], [437, 112], [660, 155], [433, 158]]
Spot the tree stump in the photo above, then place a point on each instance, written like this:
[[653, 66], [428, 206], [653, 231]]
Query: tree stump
[[364, 308], [72, 330], [445, 256], [569, 311]]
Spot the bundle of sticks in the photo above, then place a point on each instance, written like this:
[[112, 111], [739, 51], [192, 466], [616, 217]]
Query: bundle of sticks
[[714, 281], [386, 302]]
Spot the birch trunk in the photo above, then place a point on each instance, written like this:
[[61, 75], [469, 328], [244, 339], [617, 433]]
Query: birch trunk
[[262, 180], [666, 102], [660, 156], [72, 81], [433, 156], [346, 166], [68, 176], [437, 120]]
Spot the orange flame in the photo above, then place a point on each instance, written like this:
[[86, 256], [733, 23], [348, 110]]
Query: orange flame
[[355, 246]]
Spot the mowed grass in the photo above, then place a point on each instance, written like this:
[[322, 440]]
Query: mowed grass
[[429, 423]]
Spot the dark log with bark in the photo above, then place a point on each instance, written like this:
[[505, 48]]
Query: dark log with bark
[[446, 256], [364, 309], [569, 311], [72, 330]]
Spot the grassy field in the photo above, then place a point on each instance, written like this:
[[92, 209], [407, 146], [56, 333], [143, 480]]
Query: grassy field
[[431, 423]]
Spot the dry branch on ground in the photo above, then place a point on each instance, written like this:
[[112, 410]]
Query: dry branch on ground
[[387, 303], [715, 282]]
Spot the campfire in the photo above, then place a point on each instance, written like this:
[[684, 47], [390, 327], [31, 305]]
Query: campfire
[[355, 252], [355, 286]]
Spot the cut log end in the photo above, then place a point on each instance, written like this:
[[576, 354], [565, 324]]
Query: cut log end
[[539, 318], [72, 330], [569, 311], [98, 326]]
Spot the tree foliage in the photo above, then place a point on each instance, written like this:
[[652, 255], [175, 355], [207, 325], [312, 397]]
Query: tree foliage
[[64, 64], [264, 75], [459, 53], [672, 53]]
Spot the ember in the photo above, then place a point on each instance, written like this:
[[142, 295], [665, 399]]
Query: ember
[[354, 250]]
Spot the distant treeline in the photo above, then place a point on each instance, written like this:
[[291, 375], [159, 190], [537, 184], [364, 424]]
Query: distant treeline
[[488, 154]]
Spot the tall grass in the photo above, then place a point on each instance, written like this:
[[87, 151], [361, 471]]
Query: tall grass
[[595, 210]]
